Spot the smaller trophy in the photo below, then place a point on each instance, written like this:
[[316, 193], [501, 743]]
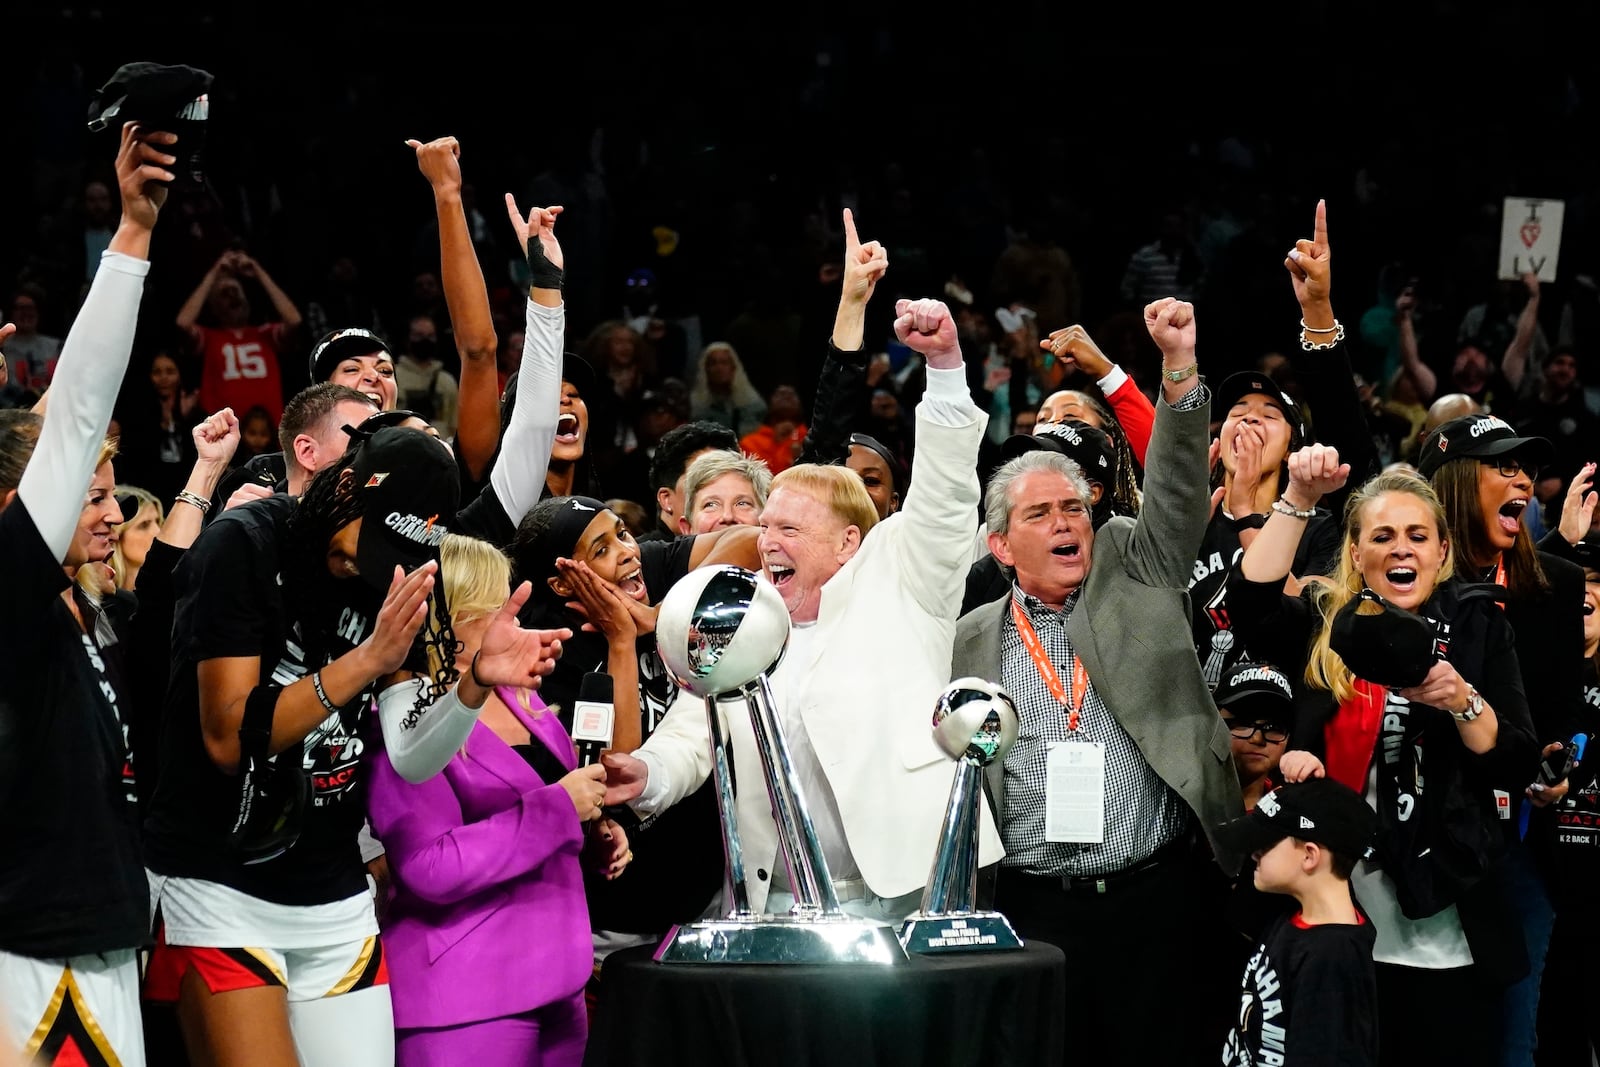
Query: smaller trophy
[[975, 724]]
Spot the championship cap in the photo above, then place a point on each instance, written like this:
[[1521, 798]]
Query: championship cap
[[409, 491], [1481, 437]]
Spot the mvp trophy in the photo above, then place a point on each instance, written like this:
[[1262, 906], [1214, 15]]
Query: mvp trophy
[[721, 632], [975, 724]]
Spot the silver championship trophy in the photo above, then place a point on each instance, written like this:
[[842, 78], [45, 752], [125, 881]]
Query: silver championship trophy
[[975, 724], [721, 632]]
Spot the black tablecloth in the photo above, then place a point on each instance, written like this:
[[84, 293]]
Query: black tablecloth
[[959, 1009]]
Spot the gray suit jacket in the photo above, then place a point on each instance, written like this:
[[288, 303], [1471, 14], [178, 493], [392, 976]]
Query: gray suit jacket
[[1131, 629]]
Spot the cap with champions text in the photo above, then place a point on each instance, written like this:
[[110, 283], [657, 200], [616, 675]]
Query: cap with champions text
[[1480, 437], [409, 491]]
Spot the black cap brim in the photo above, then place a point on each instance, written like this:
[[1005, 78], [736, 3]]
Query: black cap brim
[[1022, 443], [1249, 834], [579, 373]]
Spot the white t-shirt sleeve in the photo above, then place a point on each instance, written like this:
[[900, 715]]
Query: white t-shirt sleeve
[[518, 474]]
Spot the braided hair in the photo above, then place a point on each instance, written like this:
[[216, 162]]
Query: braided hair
[[329, 504], [1125, 487]]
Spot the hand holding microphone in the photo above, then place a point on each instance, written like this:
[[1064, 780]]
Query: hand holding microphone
[[593, 717]]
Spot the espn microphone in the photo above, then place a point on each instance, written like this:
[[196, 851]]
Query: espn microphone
[[592, 717]]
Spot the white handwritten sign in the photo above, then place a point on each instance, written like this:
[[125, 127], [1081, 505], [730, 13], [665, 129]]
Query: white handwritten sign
[[1530, 237]]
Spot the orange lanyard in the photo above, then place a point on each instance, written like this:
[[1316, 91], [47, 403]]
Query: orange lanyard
[[1047, 670], [1500, 577]]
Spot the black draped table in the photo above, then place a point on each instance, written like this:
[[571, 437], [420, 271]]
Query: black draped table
[[960, 1009]]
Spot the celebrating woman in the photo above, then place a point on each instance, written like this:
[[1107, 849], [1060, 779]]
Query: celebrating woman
[[291, 614], [1443, 937], [485, 852]]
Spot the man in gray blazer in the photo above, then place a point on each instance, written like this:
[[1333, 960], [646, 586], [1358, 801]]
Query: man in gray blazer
[[1122, 768]]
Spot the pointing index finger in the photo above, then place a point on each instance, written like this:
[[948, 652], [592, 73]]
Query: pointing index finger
[[1319, 231], [850, 238]]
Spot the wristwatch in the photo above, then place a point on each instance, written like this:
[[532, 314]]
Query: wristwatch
[[1474, 706], [1183, 374]]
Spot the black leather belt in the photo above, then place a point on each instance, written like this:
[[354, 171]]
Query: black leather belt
[[1099, 884]]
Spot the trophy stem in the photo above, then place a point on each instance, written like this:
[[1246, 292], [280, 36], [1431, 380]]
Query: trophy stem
[[735, 895], [952, 884], [809, 878]]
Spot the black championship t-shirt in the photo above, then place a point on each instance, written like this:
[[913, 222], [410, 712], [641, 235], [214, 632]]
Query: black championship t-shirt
[[1308, 999], [1566, 835], [231, 604], [1214, 639], [72, 880], [677, 866]]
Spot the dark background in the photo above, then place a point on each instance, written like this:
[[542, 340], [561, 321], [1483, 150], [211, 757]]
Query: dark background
[[741, 129]]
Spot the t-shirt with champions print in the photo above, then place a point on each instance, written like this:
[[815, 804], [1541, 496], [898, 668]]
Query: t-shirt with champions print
[[72, 881], [1308, 998], [231, 603]]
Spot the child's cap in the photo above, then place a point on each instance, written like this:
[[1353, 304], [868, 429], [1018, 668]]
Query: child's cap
[[1318, 809]]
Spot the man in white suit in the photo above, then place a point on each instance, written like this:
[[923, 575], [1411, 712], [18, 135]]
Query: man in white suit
[[873, 623]]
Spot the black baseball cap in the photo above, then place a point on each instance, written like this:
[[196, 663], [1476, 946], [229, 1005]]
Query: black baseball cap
[[1235, 387], [1089, 448], [1317, 809], [1480, 437], [409, 491], [1382, 643], [1256, 691], [342, 344], [172, 99]]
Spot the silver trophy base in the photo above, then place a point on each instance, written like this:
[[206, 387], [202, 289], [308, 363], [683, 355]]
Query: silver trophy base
[[971, 931], [781, 939]]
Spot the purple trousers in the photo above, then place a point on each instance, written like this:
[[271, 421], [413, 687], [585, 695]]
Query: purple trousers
[[551, 1036]]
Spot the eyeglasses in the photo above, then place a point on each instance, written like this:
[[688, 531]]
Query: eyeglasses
[[1244, 731], [1510, 468]]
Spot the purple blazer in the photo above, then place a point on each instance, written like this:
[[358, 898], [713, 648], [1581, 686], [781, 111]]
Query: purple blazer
[[488, 916]]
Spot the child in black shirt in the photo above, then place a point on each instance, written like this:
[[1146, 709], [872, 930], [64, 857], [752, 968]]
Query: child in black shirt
[[1309, 994]]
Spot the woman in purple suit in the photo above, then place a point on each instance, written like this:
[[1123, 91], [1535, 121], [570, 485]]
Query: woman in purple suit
[[487, 930]]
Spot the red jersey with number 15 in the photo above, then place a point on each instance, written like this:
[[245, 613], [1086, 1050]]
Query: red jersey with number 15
[[239, 368]]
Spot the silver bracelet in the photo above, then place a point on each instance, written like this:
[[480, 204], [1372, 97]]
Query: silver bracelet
[[1283, 507], [193, 500], [1316, 329], [322, 694], [1310, 346]]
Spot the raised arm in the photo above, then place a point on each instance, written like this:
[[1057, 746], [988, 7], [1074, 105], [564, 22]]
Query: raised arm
[[1514, 365], [518, 477], [1341, 423], [215, 441], [288, 314], [467, 299], [95, 355], [189, 313], [1421, 375], [1313, 471], [1072, 345], [1176, 507], [940, 510], [842, 387]]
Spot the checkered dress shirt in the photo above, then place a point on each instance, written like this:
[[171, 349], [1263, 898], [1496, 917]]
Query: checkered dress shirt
[[1142, 813]]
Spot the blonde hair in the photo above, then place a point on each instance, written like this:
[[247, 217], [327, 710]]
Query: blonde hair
[[1326, 670], [840, 488], [146, 499], [714, 464], [477, 575], [85, 576], [740, 391]]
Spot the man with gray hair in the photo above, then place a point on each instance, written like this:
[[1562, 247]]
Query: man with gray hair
[[1122, 768], [723, 488]]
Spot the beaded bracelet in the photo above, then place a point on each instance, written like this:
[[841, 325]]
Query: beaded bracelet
[[1283, 507]]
